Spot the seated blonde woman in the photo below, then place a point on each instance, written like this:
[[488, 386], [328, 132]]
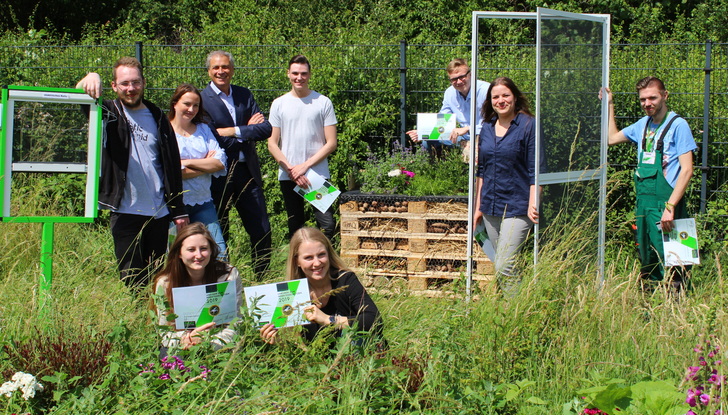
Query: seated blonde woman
[[311, 256]]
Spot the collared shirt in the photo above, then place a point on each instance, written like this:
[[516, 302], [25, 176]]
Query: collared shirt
[[507, 166], [453, 102], [230, 105]]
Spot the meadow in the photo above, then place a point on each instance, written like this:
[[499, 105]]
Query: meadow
[[564, 342]]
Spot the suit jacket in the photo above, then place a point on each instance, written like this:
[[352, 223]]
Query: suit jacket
[[245, 107]]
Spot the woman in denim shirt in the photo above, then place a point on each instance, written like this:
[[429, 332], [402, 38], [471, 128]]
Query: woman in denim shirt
[[506, 176]]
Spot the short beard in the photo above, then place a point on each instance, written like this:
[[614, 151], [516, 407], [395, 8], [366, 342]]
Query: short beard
[[134, 106]]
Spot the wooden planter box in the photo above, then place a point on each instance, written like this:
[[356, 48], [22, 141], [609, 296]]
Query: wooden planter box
[[422, 240]]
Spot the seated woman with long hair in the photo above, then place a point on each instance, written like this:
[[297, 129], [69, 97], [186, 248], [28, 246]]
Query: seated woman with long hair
[[192, 260], [338, 298]]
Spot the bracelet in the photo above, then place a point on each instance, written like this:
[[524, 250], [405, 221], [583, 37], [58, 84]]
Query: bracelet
[[669, 206]]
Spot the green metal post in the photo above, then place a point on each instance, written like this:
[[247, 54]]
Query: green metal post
[[46, 262]]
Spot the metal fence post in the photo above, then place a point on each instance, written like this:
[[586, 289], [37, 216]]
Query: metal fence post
[[402, 91], [138, 52], [706, 124]]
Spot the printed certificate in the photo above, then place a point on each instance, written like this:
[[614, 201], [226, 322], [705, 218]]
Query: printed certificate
[[681, 245], [321, 194], [280, 303], [481, 237], [435, 126], [202, 304]]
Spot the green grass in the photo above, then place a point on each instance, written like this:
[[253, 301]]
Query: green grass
[[561, 333]]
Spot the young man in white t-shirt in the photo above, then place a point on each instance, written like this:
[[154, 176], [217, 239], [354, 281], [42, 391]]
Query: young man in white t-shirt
[[304, 134]]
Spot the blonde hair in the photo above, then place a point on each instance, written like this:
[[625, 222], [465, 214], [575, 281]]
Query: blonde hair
[[293, 271], [457, 63]]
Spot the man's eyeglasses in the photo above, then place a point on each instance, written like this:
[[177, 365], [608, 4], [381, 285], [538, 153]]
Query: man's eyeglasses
[[127, 84], [459, 78]]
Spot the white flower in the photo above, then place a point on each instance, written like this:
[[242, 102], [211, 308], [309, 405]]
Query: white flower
[[8, 388], [394, 173], [23, 381]]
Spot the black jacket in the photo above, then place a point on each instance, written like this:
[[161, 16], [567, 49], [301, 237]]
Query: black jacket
[[115, 157]]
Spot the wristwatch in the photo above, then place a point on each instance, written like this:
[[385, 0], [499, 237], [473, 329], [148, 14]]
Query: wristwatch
[[332, 319]]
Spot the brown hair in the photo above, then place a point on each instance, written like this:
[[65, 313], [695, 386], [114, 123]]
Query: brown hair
[[127, 61], [456, 63], [648, 80], [176, 272], [181, 90], [293, 271], [521, 104], [301, 60]]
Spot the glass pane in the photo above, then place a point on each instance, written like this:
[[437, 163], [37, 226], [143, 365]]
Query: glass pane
[[571, 75]]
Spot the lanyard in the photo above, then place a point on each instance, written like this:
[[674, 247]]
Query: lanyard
[[651, 134]]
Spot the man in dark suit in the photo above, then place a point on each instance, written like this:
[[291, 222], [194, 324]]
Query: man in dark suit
[[239, 122]]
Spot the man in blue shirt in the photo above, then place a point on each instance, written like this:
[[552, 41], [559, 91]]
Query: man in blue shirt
[[456, 101], [665, 148]]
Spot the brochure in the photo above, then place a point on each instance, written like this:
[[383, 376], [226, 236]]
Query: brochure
[[201, 304], [280, 303], [681, 245], [435, 126], [321, 194]]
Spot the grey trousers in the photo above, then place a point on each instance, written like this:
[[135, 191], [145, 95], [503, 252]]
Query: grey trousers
[[507, 236]]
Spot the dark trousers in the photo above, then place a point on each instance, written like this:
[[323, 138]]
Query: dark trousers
[[295, 206], [139, 242], [239, 189]]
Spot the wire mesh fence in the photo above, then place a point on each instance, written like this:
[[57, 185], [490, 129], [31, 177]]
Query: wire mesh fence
[[396, 81]]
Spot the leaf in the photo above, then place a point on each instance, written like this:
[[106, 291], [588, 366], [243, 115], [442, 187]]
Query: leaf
[[658, 398], [536, 401]]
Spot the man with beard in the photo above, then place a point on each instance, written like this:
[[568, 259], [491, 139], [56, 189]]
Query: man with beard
[[141, 178], [665, 148]]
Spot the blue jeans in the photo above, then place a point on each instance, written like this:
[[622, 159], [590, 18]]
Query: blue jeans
[[206, 214]]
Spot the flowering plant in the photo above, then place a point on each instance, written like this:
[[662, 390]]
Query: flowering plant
[[413, 172], [173, 368], [24, 382], [705, 380]]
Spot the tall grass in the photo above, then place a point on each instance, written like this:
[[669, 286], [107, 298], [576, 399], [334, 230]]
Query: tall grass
[[562, 331]]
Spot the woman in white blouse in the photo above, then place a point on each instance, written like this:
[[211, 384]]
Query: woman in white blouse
[[201, 156]]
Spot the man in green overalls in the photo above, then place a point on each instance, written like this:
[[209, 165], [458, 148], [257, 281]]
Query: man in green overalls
[[665, 148]]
